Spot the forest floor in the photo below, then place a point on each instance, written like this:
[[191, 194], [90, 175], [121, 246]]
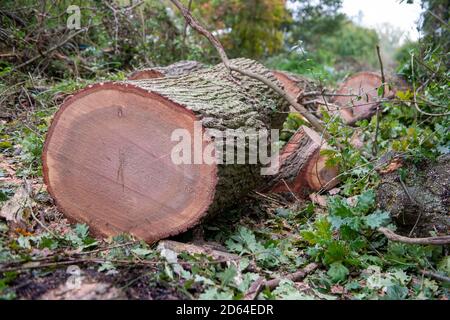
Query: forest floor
[[44, 256]]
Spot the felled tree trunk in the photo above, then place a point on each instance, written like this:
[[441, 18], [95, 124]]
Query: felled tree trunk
[[359, 96], [295, 171], [174, 70], [292, 83], [107, 156], [303, 168]]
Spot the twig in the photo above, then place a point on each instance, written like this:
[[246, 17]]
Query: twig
[[377, 128], [444, 240], [416, 105], [28, 265], [427, 113], [323, 93], [436, 276], [223, 56], [293, 194], [186, 24], [445, 24], [51, 49], [197, 26], [254, 289], [259, 284]]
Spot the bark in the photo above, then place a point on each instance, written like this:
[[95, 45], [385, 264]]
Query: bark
[[177, 69]]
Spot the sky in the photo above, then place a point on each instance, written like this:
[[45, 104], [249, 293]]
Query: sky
[[376, 12]]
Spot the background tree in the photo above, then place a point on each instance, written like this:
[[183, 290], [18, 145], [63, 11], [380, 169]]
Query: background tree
[[249, 28]]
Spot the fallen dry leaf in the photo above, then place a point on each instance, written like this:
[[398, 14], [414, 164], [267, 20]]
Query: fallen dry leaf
[[17, 209], [334, 191], [337, 289], [392, 166], [320, 200]]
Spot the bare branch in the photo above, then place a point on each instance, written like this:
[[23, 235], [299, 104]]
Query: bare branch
[[260, 284], [391, 235], [383, 83], [52, 48]]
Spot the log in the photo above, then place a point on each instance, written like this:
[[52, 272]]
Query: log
[[300, 179], [302, 167], [362, 106], [292, 83], [177, 69], [193, 249], [107, 155]]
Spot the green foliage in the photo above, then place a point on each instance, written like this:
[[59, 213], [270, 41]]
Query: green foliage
[[117, 37], [246, 28], [268, 254], [345, 47], [32, 145], [341, 239], [78, 237]]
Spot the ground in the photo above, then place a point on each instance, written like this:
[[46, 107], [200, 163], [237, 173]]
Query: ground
[[267, 235]]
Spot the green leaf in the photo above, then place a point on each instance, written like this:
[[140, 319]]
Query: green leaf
[[5, 145], [377, 219], [353, 285], [141, 251], [286, 290], [47, 242], [337, 272], [335, 252], [396, 292], [380, 91], [3, 196], [365, 201], [337, 206], [106, 266], [24, 242], [228, 275], [214, 294], [81, 230]]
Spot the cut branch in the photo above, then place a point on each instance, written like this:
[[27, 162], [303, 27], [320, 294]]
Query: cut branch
[[260, 284], [443, 240], [193, 249]]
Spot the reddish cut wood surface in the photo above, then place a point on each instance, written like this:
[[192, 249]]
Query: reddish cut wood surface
[[364, 84], [289, 85], [107, 162], [145, 74], [312, 174]]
